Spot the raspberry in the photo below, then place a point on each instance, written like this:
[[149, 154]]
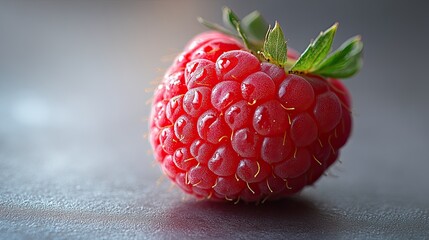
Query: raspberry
[[296, 92], [230, 125]]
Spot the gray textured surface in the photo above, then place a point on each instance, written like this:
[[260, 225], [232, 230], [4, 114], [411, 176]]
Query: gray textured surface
[[74, 164]]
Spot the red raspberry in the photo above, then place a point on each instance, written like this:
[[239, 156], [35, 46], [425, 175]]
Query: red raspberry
[[226, 126]]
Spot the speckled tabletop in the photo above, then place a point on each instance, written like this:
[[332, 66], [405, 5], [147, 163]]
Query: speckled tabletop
[[75, 164]]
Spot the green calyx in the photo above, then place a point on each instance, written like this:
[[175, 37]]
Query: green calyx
[[275, 49], [269, 44]]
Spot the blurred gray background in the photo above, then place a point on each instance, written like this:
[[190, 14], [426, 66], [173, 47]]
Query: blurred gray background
[[75, 78]]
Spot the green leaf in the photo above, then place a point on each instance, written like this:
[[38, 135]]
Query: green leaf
[[255, 27], [344, 62], [230, 19], [316, 51], [275, 49], [216, 27]]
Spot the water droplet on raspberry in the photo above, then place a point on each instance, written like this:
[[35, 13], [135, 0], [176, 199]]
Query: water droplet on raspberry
[[202, 150], [211, 127], [175, 85], [224, 94], [236, 65], [224, 161], [174, 108], [184, 129], [199, 73], [246, 142], [270, 119], [183, 159], [238, 115], [168, 141], [196, 101], [178, 154], [181, 58], [257, 87], [226, 64]]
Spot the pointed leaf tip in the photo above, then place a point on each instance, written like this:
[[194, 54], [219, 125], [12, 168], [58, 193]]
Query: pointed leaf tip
[[230, 19], [344, 62], [316, 51], [275, 48]]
